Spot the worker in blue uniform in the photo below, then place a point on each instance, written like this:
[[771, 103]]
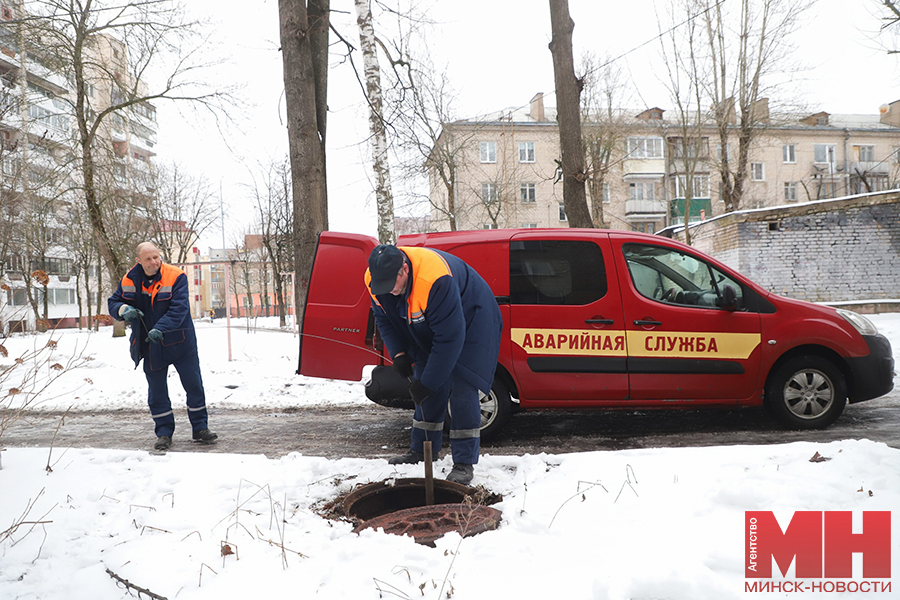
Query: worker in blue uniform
[[441, 325], [153, 297]]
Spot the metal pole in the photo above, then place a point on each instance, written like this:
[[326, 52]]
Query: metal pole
[[227, 274], [228, 305]]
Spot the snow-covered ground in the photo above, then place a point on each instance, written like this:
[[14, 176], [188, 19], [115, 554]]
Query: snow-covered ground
[[636, 524]]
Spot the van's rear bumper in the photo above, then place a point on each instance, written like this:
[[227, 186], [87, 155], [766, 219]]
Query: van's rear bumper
[[873, 375]]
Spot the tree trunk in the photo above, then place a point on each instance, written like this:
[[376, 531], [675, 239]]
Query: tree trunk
[[305, 77], [568, 92], [384, 200]]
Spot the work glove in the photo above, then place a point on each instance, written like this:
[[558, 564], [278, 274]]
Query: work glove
[[419, 392], [403, 365], [154, 335], [130, 313]]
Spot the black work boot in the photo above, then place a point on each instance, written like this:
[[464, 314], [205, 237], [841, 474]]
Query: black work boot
[[461, 473], [410, 458], [205, 436], [162, 443]]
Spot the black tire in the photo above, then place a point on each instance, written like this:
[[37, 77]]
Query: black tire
[[806, 392], [495, 410]]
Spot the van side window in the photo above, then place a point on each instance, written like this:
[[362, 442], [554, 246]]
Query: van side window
[[556, 272], [674, 277]]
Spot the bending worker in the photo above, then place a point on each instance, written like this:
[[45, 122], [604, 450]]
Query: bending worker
[[441, 325], [153, 297]]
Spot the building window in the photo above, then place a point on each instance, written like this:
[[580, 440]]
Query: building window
[[641, 191], [489, 226], [789, 153], [528, 192], [644, 147], [526, 152], [864, 153], [790, 191], [488, 193], [529, 225], [723, 155], [488, 152], [700, 188], [823, 153], [562, 212], [604, 193], [895, 155], [758, 171], [644, 227]]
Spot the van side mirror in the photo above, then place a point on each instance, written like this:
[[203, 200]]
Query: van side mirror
[[729, 297]]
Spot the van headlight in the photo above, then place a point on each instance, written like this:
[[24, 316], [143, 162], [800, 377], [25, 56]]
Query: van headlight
[[859, 322]]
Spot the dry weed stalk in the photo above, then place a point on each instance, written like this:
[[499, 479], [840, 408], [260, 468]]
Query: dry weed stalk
[[24, 383]]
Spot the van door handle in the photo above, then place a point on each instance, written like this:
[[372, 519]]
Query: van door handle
[[599, 321], [643, 323]]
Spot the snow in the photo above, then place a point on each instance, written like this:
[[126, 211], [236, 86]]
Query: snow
[[636, 524]]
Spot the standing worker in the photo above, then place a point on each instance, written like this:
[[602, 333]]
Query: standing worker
[[153, 297], [441, 325]]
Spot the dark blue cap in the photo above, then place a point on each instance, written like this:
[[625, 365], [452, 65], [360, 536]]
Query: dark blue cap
[[384, 265]]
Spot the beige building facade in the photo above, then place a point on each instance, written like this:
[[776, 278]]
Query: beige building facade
[[507, 167]]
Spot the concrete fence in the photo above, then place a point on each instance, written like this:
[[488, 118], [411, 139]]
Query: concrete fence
[[845, 250]]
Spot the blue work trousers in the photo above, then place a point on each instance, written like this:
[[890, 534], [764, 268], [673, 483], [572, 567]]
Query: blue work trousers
[[188, 368], [465, 424]]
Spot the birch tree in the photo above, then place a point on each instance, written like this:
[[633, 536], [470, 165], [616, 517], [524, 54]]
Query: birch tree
[[384, 200]]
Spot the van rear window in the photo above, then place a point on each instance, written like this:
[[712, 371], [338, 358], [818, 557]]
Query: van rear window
[[556, 272]]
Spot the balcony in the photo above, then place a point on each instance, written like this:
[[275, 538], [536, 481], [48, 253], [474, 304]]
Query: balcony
[[645, 207], [881, 167]]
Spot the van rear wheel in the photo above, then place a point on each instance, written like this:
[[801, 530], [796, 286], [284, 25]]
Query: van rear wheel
[[495, 410], [806, 392]]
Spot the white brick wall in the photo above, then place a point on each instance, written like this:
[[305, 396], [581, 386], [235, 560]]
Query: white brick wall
[[847, 249]]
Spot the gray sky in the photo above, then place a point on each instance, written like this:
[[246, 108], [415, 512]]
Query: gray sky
[[497, 55]]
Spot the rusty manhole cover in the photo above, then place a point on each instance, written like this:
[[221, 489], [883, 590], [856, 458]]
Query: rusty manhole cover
[[428, 523], [398, 507]]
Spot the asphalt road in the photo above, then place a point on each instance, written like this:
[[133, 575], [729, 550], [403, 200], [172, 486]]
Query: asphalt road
[[372, 431]]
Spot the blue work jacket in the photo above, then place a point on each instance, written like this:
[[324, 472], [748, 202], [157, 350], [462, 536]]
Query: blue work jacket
[[447, 319], [166, 306]]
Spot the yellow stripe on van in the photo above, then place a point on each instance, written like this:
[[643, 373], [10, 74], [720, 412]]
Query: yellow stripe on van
[[645, 344]]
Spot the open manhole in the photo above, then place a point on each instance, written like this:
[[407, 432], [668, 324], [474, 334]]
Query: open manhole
[[398, 506]]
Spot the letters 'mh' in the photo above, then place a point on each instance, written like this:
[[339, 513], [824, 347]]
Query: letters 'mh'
[[823, 544]]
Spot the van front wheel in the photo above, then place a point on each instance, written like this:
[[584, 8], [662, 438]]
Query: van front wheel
[[806, 392], [495, 410]]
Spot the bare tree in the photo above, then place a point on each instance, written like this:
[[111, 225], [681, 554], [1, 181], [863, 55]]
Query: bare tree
[[604, 126], [181, 210], [687, 147], [107, 52], [304, 49], [272, 196], [744, 44], [568, 92]]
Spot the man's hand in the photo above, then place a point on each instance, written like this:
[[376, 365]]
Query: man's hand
[[130, 313], [403, 365], [154, 335], [419, 392]]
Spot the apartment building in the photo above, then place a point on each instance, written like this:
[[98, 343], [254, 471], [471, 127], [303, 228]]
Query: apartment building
[[507, 170], [40, 212]]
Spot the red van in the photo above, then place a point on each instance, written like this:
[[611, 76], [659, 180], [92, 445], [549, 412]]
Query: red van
[[612, 319]]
